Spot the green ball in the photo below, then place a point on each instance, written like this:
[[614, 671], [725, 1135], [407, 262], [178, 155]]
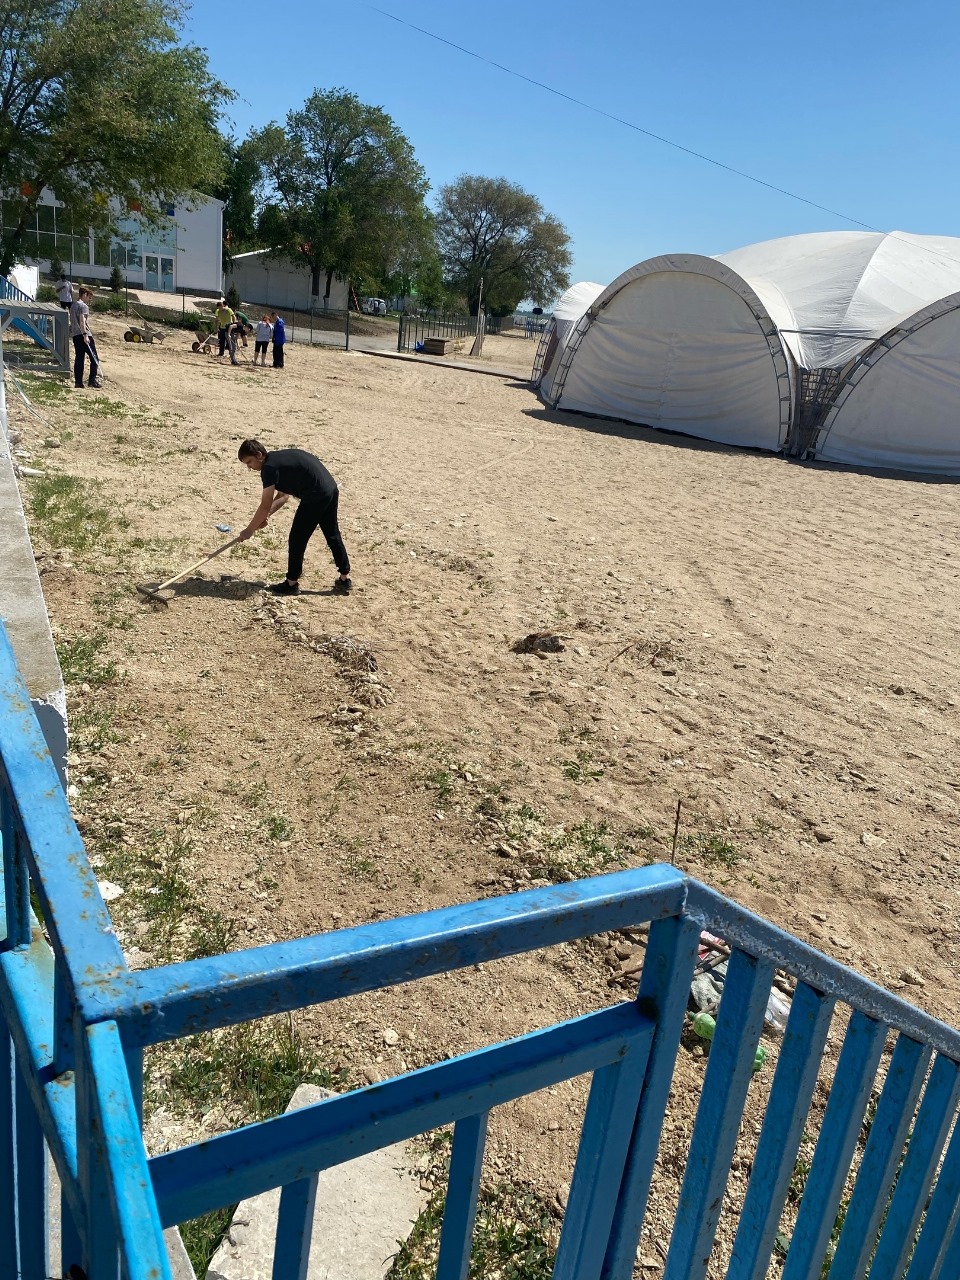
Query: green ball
[[704, 1026]]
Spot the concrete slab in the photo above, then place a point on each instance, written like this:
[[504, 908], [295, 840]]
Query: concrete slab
[[364, 1209], [23, 612], [441, 362]]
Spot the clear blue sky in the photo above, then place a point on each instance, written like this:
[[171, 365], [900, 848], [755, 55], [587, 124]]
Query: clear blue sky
[[850, 103]]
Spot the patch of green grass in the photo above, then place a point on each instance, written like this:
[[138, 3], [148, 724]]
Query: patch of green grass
[[65, 516], [711, 848], [278, 827], [104, 407], [561, 852], [202, 1237], [441, 781], [583, 768], [355, 862], [41, 390], [515, 1237], [81, 661]]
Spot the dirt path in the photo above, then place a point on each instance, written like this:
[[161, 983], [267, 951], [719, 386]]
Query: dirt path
[[770, 643]]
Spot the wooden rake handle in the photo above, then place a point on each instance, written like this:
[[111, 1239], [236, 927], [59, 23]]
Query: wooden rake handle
[[200, 563]]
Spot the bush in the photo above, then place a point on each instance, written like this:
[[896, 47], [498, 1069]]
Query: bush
[[109, 302], [233, 297], [56, 267], [46, 293], [117, 281]]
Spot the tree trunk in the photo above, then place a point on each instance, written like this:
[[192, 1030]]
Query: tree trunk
[[314, 283], [326, 296]]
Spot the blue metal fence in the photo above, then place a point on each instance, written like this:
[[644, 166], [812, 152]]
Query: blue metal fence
[[74, 1021]]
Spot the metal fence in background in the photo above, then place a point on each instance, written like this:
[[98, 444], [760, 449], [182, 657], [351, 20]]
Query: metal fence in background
[[881, 1188]]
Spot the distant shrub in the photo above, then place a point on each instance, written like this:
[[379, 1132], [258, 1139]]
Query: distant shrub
[[109, 302], [46, 293], [116, 280]]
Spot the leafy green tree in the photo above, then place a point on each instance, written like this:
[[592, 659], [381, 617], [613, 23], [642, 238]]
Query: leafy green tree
[[241, 173], [98, 99], [340, 189], [492, 230]]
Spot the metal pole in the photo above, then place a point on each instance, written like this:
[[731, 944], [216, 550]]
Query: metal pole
[[311, 324], [346, 345]]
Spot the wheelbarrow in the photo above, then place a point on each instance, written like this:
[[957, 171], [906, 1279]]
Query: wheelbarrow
[[206, 344], [143, 332]]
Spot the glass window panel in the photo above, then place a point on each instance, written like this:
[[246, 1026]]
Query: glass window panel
[[64, 243], [46, 244], [166, 274], [101, 251], [118, 255], [133, 256], [46, 219], [81, 250], [29, 245]]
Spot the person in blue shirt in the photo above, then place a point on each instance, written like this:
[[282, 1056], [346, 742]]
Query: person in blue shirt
[[279, 339]]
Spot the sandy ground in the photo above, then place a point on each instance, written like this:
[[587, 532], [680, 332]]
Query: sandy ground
[[772, 644]]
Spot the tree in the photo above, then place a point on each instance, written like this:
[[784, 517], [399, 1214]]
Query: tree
[[491, 229], [241, 173], [340, 188], [98, 100]]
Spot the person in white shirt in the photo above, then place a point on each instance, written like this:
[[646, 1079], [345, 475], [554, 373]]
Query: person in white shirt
[[262, 340], [64, 292], [83, 342]]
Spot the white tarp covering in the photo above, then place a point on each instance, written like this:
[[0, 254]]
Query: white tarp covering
[[572, 305], [844, 289], [903, 411], [685, 350]]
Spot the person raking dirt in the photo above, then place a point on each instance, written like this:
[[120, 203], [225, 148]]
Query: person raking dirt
[[294, 473]]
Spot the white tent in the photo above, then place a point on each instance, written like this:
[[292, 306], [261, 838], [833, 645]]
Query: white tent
[[835, 344], [680, 342], [571, 306]]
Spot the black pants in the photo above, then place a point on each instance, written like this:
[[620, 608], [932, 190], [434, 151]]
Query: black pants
[[309, 517], [278, 356], [227, 341], [82, 349]]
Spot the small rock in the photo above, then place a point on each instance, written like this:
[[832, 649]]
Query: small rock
[[912, 978], [739, 666], [869, 838], [553, 1126], [897, 688], [391, 1037], [668, 671], [52, 442], [108, 890], [824, 835], [371, 1075]]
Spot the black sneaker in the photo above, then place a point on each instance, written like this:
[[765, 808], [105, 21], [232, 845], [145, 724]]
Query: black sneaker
[[342, 587], [285, 588]]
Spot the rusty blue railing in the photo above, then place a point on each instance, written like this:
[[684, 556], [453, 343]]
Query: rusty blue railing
[[74, 1021]]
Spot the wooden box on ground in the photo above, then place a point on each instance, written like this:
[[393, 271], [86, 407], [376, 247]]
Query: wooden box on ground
[[439, 346]]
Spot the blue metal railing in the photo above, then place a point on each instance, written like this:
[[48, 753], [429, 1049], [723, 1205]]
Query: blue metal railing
[[74, 1021]]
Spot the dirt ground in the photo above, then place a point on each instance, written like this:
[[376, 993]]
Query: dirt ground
[[772, 644]]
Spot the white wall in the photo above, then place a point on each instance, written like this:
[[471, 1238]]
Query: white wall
[[200, 246], [275, 282]]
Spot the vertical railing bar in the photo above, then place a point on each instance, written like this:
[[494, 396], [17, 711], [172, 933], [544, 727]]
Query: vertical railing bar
[[664, 988], [941, 1216], [729, 1070], [793, 1084], [463, 1191], [31, 1166], [881, 1155], [62, 1020], [910, 1195], [601, 1160], [950, 1267], [291, 1253], [8, 1169], [855, 1074], [16, 880], [71, 1246], [133, 1058]]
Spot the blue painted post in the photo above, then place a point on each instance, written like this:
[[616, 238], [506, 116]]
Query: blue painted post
[[291, 1253], [934, 1119], [941, 1218], [855, 1074], [31, 1161], [729, 1070], [793, 1084], [664, 989], [8, 1169], [16, 882], [598, 1172], [878, 1168], [71, 1246], [463, 1190]]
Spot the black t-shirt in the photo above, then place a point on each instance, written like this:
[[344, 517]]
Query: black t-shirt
[[298, 473]]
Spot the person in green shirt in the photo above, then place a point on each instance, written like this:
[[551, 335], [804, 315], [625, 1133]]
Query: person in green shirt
[[225, 322]]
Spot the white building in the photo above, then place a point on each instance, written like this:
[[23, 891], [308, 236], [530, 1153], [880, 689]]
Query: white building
[[185, 252], [277, 282]]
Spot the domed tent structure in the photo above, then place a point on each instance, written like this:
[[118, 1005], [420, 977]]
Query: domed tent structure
[[684, 343], [555, 336], [834, 307]]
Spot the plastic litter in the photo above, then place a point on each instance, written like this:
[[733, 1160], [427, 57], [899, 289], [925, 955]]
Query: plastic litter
[[224, 528]]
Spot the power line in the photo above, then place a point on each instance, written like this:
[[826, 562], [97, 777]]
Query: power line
[[629, 124]]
